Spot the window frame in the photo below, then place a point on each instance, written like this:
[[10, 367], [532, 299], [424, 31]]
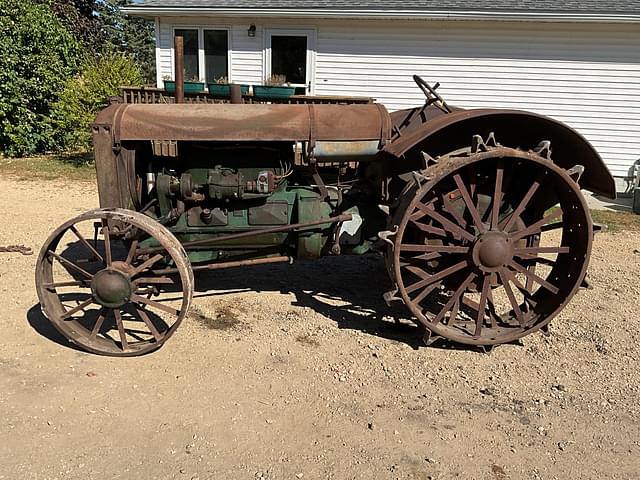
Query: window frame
[[201, 54], [312, 39]]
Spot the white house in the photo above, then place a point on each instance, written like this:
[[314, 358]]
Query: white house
[[575, 61]]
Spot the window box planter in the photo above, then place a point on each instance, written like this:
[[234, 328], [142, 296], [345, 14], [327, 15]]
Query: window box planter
[[224, 89], [273, 91], [189, 87]]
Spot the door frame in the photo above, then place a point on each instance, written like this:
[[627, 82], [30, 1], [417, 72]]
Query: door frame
[[311, 33]]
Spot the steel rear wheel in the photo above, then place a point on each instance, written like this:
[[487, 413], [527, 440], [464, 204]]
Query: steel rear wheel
[[102, 294], [490, 245]]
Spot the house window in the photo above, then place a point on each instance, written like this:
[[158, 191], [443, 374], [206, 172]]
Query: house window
[[191, 57], [289, 57], [206, 53], [216, 54]]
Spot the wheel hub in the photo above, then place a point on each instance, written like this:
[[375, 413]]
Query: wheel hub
[[111, 288], [492, 251]]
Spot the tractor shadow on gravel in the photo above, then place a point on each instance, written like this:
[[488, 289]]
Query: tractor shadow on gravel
[[347, 290], [43, 327]]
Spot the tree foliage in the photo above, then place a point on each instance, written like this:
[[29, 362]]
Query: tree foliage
[[38, 52], [82, 20], [86, 94], [130, 35], [43, 43]]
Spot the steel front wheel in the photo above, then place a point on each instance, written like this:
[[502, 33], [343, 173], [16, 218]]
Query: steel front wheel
[[491, 245], [102, 294]]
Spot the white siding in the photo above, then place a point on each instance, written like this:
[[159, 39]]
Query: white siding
[[165, 67], [246, 58], [585, 75]]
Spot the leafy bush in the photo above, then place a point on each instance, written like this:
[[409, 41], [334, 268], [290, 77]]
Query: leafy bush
[[86, 94], [37, 52]]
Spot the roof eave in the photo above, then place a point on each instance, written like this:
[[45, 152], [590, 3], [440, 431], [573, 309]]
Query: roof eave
[[383, 14]]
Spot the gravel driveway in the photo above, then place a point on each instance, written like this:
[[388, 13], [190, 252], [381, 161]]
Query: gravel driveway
[[303, 372]]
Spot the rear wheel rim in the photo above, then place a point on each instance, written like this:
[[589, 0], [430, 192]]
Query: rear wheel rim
[[482, 272]]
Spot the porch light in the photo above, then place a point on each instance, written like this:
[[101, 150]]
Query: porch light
[[252, 31]]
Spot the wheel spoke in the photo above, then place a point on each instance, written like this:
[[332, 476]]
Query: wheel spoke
[[533, 259], [53, 286], [552, 226], [454, 312], [497, 197], [420, 213], [132, 252], [153, 303], [520, 252], [457, 295], [512, 299], [535, 228], [470, 204], [70, 264], [406, 247], [107, 245], [491, 306], [429, 228], [154, 280], [96, 328], [425, 292], [153, 260], [446, 223], [448, 207], [84, 242], [437, 277], [541, 281], [123, 335], [152, 328], [523, 204], [486, 285], [73, 311], [512, 278]]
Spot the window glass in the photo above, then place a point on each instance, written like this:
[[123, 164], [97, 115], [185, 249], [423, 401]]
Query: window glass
[[216, 51], [289, 57], [191, 70]]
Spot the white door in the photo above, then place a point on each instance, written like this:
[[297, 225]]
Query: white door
[[291, 53]]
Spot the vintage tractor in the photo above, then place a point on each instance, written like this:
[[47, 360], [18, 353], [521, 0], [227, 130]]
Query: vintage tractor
[[478, 214]]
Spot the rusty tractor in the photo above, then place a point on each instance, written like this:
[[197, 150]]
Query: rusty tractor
[[478, 214]]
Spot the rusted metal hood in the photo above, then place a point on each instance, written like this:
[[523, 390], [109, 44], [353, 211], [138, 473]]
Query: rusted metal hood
[[224, 122]]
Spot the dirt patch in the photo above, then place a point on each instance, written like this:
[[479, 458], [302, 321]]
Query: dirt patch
[[307, 340], [224, 318]]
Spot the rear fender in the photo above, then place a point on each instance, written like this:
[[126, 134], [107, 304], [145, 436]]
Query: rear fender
[[513, 128]]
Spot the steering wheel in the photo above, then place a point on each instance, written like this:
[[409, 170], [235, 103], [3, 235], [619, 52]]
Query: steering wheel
[[433, 97]]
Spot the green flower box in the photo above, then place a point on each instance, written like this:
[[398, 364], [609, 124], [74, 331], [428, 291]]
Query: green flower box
[[224, 89], [273, 91], [189, 87]]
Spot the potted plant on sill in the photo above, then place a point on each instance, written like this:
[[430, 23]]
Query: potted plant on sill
[[192, 85], [222, 88], [275, 86]]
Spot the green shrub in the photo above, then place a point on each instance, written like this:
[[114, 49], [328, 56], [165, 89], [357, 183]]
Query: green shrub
[[37, 53], [86, 94]]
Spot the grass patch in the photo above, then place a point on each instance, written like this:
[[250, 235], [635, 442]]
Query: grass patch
[[67, 166], [617, 221]]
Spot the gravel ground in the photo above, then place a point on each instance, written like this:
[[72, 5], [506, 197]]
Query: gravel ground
[[302, 372]]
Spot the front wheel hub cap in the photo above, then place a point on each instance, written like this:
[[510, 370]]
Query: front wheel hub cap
[[111, 288]]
